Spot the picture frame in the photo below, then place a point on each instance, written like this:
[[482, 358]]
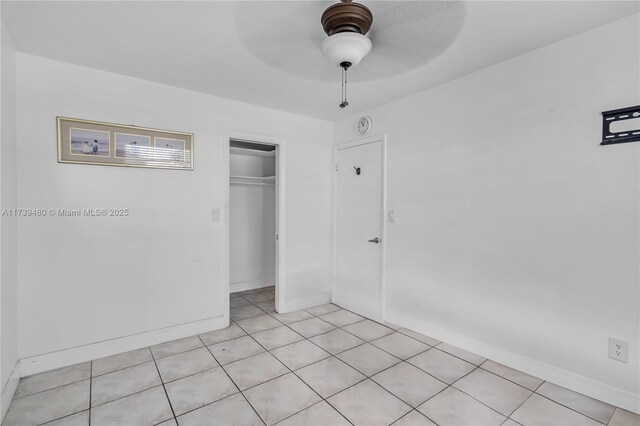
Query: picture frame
[[109, 144]]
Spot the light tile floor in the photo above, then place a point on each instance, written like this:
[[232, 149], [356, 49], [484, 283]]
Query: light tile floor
[[321, 366]]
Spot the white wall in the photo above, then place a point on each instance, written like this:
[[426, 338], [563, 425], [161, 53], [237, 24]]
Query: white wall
[[252, 224], [514, 227], [253, 165], [8, 227], [84, 280]]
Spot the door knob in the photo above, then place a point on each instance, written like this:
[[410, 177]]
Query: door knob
[[375, 240]]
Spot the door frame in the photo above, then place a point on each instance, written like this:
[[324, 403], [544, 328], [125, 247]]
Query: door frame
[[382, 138], [281, 203]]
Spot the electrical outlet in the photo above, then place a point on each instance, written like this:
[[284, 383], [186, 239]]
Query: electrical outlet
[[618, 349]]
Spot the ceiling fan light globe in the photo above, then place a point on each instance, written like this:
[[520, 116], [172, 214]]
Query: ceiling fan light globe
[[346, 47]]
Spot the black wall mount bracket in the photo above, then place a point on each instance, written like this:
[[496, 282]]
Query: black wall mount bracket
[[609, 136]]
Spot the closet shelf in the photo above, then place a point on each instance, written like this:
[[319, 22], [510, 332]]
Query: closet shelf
[[252, 180]]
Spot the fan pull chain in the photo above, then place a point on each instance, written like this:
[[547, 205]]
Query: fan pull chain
[[345, 66]]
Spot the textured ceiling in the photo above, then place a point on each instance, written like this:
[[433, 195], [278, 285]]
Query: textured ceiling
[[268, 53], [405, 35]]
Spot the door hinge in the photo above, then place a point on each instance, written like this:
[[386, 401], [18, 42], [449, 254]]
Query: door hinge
[[336, 167]]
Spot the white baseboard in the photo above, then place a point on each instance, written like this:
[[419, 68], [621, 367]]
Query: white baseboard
[[296, 305], [374, 315], [9, 390], [49, 361], [251, 285], [553, 374]]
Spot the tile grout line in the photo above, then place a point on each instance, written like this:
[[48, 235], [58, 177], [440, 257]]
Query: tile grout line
[[465, 375], [481, 402], [448, 385], [409, 412], [509, 380], [523, 402], [406, 335], [611, 417], [574, 410], [334, 355], [476, 367], [293, 372], [299, 378], [308, 339], [303, 337], [319, 402], [151, 387], [471, 396], [234, 383], [426, 372], [188, 375], [55, 387], [91, 376], [516, 409], [163, 386], [125, 396], [123, 368], [366, 377]]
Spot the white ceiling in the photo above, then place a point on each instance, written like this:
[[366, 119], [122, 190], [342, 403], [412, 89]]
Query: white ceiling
[[268, 52]]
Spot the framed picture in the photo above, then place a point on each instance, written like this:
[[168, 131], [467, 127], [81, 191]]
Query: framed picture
[[133, 146], [90, 143], [109, 144], [169, 150]]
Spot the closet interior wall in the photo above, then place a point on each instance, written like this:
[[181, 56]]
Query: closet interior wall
[[252, 218]]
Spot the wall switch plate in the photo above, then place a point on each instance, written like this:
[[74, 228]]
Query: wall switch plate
[[391, 216], [215, 215], [618, 349]]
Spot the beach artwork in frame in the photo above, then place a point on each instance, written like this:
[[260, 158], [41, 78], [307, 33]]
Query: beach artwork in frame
[[109, 144], [169, 150], [133, 146], [90, 143]]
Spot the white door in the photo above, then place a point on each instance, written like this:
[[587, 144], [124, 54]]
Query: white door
[[358, 237]]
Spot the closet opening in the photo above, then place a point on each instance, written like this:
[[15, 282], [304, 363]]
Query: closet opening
[[255, 193]]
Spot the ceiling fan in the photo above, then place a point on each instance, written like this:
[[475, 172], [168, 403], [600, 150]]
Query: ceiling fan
[[405, 35], [346, 23]]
